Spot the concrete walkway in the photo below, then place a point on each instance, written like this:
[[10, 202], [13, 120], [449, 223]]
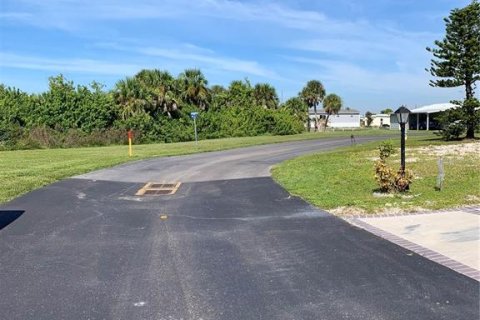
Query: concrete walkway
[[448, 237]]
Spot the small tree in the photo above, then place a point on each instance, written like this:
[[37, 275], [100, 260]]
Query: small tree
[[457, 57], [297, 107], [368, 116], [240, 94]]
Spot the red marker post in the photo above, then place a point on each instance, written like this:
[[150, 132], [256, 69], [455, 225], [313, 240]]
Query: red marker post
[[130, 137]]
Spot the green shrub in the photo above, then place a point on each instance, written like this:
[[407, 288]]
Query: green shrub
[[453, 131], [286, 123], [387, 178], [386, 149], [452, 124]]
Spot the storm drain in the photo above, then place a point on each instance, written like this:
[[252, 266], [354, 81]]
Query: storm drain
[[158, 189]]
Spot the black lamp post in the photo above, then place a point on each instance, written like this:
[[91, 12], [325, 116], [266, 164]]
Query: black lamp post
[[402, 118]]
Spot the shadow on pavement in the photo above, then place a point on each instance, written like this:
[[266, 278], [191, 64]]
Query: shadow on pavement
[[8, 216]]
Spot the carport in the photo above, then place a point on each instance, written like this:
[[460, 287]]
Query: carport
[[423, 118]]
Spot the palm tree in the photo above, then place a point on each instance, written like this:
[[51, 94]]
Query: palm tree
[[193, 88], [313, 93], [160, 86], [332, 105], [265, 96], [298, 107], [131, 97]]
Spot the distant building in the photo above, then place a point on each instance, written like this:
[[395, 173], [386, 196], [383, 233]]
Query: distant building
[[380, 120], [423, 118], [346, 118]]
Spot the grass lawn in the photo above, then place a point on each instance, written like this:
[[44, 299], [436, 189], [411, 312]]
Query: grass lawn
[[24, 170], [343, 180]]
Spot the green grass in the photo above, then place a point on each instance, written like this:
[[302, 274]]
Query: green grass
[[344, 179], [25, 170]]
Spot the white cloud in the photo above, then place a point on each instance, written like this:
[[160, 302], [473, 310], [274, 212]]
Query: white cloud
[[56, 13], [15, 15], [9, 60], [223, 63], [190, 55]]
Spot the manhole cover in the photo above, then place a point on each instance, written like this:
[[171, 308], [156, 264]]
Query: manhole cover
[[157, 189]]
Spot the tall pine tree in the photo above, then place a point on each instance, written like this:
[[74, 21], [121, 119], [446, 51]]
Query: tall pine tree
[[457, 59]]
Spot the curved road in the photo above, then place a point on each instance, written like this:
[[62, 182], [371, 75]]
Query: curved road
[[234, 245]]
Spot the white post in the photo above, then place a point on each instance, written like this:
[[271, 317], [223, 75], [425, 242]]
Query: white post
[[428, 121], [195, 125], [418, 121]]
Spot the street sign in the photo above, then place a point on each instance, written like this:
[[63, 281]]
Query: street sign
[[194, 116]]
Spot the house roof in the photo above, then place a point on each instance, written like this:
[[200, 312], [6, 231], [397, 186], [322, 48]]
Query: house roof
[[342, 111], [434, 108]]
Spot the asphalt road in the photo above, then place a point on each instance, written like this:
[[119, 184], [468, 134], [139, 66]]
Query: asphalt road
[[234, 245]]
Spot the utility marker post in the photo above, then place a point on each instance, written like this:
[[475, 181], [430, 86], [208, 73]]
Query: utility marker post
[[130, 137], [441, 175], [194, 116]]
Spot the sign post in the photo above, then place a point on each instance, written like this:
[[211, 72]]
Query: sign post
[[194, 116], [130, 137]]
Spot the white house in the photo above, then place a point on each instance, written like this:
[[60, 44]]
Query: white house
[[346, 118], [380, 120], [423, 118]]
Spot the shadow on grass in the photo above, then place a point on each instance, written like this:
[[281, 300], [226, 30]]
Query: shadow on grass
[[8, 216], [440, 139]]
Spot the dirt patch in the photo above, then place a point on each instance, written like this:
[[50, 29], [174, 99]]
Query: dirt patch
[[458, 150], [388, 210], [347, 211], [472, 198]]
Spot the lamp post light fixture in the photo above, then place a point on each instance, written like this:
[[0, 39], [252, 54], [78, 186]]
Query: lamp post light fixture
[[402, 114]]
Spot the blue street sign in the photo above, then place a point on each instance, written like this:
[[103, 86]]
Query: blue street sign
[[194, 115]]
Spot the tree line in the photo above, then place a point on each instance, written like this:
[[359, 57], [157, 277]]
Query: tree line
[[156, 106]]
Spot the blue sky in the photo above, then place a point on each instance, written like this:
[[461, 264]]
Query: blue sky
[[371, 53]]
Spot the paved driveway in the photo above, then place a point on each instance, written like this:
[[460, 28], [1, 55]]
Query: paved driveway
[[225, 246]]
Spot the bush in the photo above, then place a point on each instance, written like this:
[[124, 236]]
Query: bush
[[9, 135], [386, 149], [285, 123], [452, 124], [387, 179], [384, 175], [453, 131]]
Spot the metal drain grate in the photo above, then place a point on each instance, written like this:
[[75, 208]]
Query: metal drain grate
[[163, 185], [156, 192], [157, 189]]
